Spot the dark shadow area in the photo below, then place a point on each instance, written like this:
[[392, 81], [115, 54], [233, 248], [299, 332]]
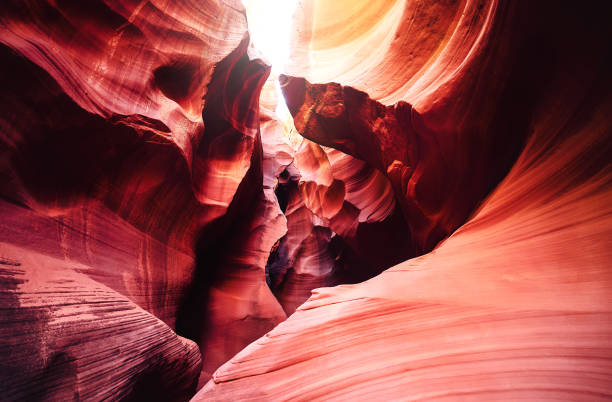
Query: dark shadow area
[[175, 79], [283, 189], [235, 87]]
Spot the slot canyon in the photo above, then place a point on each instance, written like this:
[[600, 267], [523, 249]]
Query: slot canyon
[[305, 200]]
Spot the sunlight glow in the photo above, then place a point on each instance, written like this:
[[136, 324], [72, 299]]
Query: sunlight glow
[[270, 29], [270, 23]]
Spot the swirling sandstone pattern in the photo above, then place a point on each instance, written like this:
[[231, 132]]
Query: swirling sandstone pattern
[[517, 303], [109, 168], [66, 337], [230, 305], [163, 222]]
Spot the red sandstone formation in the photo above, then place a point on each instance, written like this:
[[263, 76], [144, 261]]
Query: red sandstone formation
[[340, 214], [230, 304], [163, 224], [109, 167], [517, 303], [66, 336]]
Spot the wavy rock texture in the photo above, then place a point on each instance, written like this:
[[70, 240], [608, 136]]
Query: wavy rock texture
[[384, 47], [438, 176], [66, 337], [517, 302], [155, 58], [357, 202], [159, 214], [303, 259], [99, 66], [341, 217], [112, 166], [230, 304]]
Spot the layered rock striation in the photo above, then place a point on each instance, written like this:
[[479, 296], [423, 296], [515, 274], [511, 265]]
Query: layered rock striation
[[516, 303], [441, 177]]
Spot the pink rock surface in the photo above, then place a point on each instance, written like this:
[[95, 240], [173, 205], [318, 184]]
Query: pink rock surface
[[109, 165], [515, 304], [527, 315], [65, 336], [163, 223]]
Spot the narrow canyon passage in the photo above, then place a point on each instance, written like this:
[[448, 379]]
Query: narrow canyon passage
[[272, 200], [340, 212]]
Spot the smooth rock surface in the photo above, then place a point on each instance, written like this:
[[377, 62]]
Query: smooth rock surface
[[164, 218], [515, 304]]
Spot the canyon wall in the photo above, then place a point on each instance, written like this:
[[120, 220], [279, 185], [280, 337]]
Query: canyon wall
[[517, 302], [430, 219]]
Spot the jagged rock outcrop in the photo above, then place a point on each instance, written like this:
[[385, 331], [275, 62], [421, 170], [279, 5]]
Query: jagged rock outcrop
[[438, 176], [341, 216]]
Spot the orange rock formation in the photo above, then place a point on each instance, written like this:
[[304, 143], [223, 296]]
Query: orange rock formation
[[430, 217]]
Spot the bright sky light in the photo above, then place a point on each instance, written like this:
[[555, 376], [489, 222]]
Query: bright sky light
[[270, 29]]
